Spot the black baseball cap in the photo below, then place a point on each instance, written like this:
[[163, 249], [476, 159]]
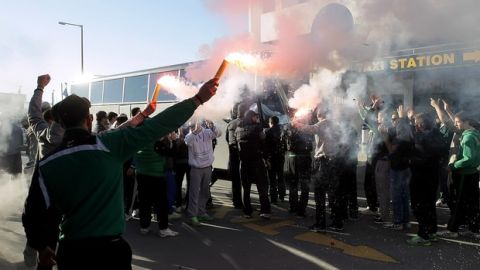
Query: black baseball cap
[[71, 111]]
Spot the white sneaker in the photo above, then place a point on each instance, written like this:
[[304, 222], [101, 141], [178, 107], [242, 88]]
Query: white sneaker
[[167, 232], [440, 203], [265, 216], [447, 233], [144, 231], [393, 226], [174, 215]]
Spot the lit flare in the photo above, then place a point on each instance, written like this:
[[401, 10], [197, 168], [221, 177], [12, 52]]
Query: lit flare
[[244, 61], [301, 112]]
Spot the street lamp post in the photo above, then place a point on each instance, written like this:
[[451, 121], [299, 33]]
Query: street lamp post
[[81, 39]]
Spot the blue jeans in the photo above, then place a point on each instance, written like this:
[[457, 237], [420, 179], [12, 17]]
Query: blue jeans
[[399, 184]]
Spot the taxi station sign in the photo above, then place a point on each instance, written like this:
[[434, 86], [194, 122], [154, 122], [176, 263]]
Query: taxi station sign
[[422, 61]]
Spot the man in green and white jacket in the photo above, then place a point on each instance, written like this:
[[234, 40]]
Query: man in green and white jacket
[[82, 180]]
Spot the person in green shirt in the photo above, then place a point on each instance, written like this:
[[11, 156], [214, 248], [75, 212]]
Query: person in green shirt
[[465, 179]]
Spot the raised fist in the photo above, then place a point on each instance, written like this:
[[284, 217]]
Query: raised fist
[[43, 81]]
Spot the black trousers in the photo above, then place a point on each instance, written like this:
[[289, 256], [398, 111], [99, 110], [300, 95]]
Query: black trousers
[[348, 191], [276, 176], [234, 171], [423, 195], [253, 171], [370, 186], [327, 183], [128, 189], [180, 171], [152, 191], [94, 253], [465, 202], [12, 164], [299, 173]]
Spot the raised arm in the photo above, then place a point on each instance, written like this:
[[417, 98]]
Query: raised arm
[[35, 117], [447, 108], [440, 113]]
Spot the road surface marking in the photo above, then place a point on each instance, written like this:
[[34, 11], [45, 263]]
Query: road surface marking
[[313, 259], [356, 251], [269, 229]]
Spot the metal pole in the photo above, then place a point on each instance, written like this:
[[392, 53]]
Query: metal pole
[[81, 29]]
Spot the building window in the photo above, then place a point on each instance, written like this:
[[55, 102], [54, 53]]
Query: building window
[[163, 95], [136, 89], [96, 92], [80, 90], [112, 92]]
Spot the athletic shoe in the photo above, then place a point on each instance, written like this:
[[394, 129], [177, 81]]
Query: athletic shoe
[[205, 218], [127, 217], [195, 222], [174, 215], [380, 221], [393, 226], [178, 209], [167, 233], [447, 233], [441, 203], [247, 216], [30, 256], [317, 228], [418, 241], [144, 231], [336, 228], [265, 216]]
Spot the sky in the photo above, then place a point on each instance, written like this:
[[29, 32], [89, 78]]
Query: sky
[[119, 36]]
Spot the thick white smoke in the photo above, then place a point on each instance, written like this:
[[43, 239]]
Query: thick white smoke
[[219, 106]]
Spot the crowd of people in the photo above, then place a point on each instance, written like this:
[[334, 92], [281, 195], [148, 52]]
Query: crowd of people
[[420, 161], [118, 167]]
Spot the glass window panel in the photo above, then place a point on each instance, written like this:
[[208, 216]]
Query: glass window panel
[[136, 89], [80, 89], [96, 89], [163, 95], [112, 92]]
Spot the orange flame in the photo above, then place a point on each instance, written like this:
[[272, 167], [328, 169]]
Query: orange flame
[[244, 61], [168, 81], [302, 112]]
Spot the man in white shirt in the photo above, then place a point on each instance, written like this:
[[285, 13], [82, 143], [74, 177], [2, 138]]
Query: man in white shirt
[[200, 159]]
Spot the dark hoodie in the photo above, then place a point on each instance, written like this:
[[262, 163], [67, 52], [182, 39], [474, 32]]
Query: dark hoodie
[[248, 135]]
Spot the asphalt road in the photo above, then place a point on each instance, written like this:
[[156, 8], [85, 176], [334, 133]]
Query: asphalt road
[[284, 242]]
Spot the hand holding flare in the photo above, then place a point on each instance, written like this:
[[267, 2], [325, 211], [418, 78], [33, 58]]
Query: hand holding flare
[[152, 105], [221, 69]]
